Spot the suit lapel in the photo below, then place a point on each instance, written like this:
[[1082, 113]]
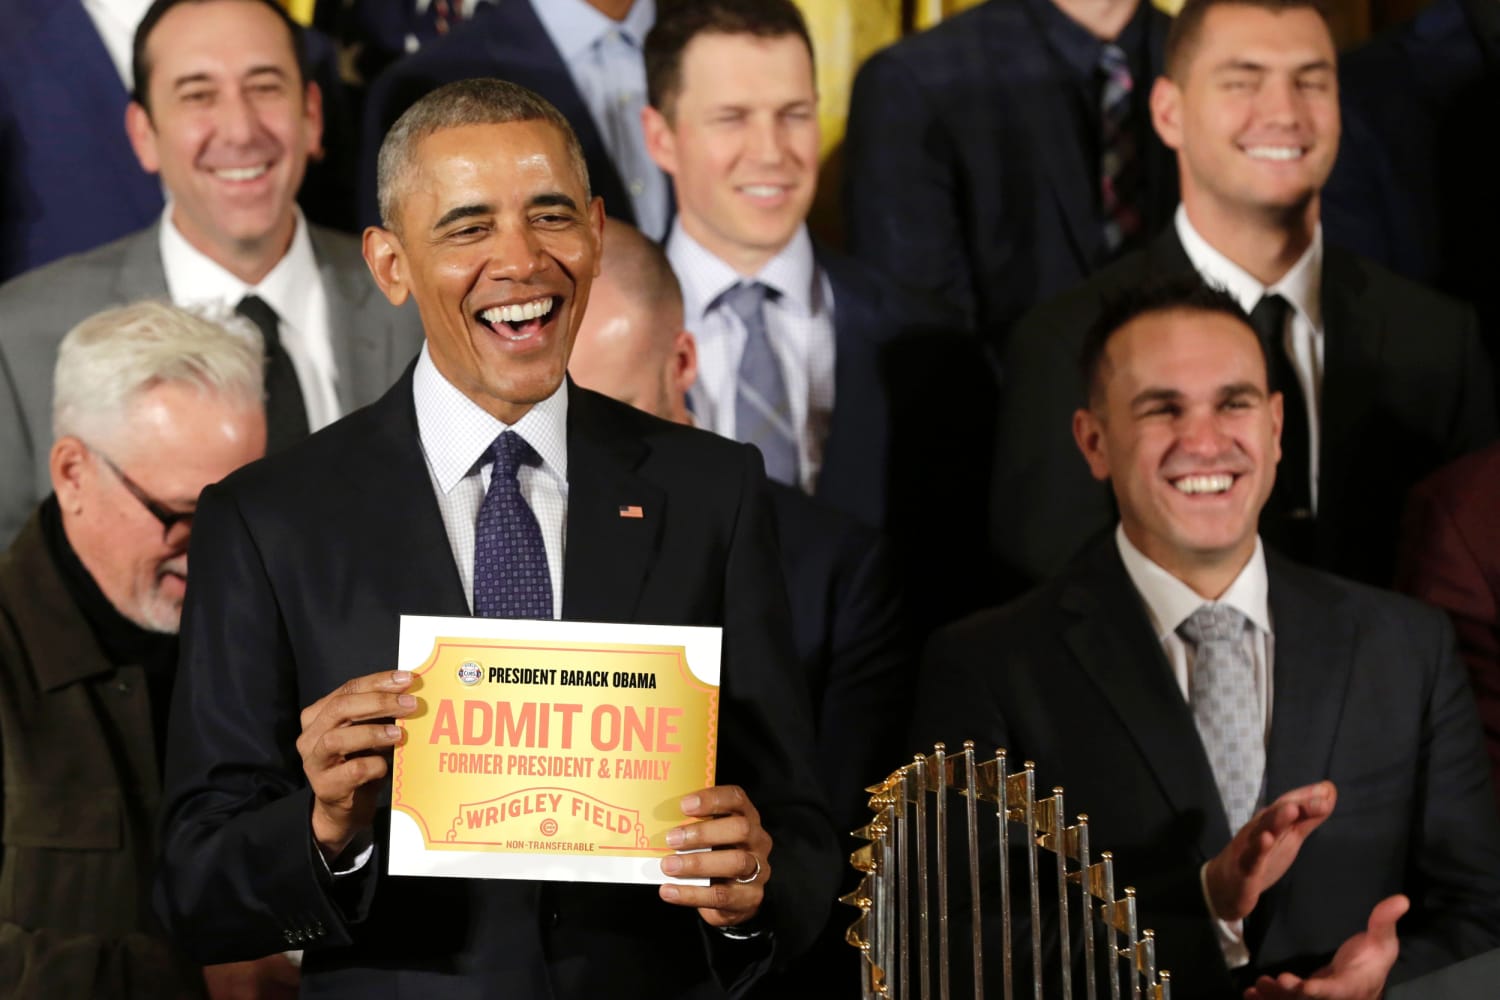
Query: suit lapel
[[141, 274], [413, 542], [608, 553], [1072, 187], [357, 320], [1312, 661], [1353, 340], [1111, 637]]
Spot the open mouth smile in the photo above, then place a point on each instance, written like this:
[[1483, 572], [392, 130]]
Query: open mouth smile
[[519, 321]]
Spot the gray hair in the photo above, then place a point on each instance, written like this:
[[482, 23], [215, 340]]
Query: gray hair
[[109, 359], [466, 102]]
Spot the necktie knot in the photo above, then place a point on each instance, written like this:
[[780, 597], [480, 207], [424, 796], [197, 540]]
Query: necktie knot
[[1269, 320], [1213, 623], [509, 452], [747, 300]]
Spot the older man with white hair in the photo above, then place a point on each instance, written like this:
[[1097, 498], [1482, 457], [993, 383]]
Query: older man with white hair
[[151, 404]]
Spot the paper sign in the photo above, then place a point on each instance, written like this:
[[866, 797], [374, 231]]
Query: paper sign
[[550, 750]]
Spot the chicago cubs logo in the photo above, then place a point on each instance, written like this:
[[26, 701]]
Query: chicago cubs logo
[[469, 673]]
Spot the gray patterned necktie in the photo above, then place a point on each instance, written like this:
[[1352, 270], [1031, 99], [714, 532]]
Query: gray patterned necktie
[[511, 579], [1226, 706], [762, 407]]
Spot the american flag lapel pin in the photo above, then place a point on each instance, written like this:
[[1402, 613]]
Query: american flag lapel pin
[[632, 511]]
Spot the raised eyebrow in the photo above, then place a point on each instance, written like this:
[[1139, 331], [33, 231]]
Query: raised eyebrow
[[553, 199], [462, 212]]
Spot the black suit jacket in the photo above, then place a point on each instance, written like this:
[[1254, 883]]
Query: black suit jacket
[[305, 562], [968, 179], [1368, 692], [503, 40], [1406, 388]]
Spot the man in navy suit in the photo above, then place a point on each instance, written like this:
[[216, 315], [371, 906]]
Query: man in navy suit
[[1283, 762], [584, 56], [847, 620], [276, 787], [978, 153]]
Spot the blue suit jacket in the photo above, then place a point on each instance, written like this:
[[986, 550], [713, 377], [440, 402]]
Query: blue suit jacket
[[69, 180], [966, 179], [503, 40]]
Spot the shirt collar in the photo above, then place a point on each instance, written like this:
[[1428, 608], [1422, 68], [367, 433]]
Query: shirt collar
[[1301, 285], [1169, 601], [576, 26], [193, 278], [455, 432], [792, 273]]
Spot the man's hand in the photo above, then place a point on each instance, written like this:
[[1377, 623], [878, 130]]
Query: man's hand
[[271, 978], [345, 736], [739, 864], [1357, 971], [1265, 848]]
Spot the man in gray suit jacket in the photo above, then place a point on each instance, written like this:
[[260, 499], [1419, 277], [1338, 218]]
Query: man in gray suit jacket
[[224, 112]]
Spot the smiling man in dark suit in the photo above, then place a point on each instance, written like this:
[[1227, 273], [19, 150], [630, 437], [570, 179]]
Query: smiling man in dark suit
[[224, 111], [1384, 379], [272, 814], [1283, 762]]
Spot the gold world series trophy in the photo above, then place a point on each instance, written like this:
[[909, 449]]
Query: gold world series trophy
[[909, 869]]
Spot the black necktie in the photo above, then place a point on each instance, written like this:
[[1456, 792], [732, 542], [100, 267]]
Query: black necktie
[[1287, 521], [286, 413]]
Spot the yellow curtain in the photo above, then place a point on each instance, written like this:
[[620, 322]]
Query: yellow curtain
[[930, 12], [844, 33], [301, 10]]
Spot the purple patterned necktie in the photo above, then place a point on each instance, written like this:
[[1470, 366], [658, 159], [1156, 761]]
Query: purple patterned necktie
[[510, 562]]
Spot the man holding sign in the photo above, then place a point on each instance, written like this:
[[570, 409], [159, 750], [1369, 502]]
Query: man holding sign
[[482, 483]]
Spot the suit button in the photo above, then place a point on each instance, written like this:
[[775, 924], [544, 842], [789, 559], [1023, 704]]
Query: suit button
[[122, 686], [289, 937], [553, 919]]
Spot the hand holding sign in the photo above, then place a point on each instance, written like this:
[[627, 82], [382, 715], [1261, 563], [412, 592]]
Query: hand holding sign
[[344, 736], [739, 863]]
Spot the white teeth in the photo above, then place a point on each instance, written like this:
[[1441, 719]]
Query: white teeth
[[241, 173], [1274, 152], [1204, 484], [518, 313], [762, 190]]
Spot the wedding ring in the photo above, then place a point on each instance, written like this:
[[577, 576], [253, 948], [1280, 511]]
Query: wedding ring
[[754, 876]]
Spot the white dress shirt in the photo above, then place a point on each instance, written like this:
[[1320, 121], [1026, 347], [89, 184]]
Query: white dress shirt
[[1168, 603], [294, 288], [1302, 287], [456, 434], [799, 324], [605, 59], [116, 21]]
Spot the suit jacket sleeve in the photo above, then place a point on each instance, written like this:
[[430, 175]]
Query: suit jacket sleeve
[[1474, 418], [902, 205], [239, 875]]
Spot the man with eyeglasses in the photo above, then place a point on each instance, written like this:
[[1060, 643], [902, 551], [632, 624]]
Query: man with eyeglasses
[[150, 405]]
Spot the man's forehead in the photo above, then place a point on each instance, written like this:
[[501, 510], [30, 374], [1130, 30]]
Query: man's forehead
[[1237, 33], [710, 58]]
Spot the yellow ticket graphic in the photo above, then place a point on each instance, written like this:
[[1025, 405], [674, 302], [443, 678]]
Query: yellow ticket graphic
[[544, 748]]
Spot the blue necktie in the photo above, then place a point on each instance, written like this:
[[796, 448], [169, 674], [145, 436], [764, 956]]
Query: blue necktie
[[510, 562], [762, 409]]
